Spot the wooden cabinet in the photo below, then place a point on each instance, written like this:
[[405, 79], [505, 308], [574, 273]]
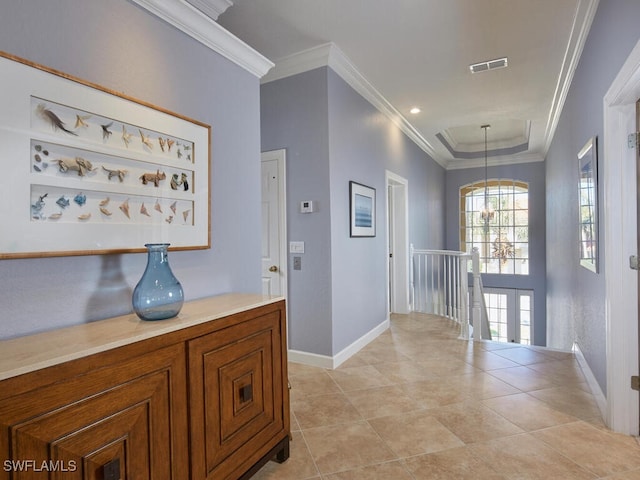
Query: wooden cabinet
[[206, 398]]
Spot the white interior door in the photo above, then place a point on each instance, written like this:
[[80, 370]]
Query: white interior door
[[274, 258], [398, 242]]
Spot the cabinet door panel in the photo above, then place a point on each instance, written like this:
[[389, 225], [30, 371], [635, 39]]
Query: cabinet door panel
[[236, 384], [99, 421]]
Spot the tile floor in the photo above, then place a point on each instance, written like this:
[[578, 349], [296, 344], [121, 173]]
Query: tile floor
[[417, 403]]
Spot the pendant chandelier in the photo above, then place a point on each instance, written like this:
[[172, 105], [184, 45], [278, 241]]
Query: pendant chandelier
[[487, 213]]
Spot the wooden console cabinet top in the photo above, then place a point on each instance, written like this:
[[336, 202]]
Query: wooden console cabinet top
[[33, 352]]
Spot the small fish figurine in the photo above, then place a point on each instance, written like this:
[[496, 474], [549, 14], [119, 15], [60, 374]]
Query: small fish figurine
[[105, 211], [143, 210], [55, 216], [62, 202], [145, 140], [39, 205], [106, 133], [84, 216], [104, 202], [124, 207], [185, 214], [52, 119], [80, 199], [157, 206], [173, 207], [161, 143], [126, 136], [81, 121]]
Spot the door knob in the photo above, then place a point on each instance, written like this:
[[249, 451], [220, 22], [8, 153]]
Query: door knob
[[273, 268]]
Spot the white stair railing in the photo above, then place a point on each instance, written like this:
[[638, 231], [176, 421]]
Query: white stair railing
[[440, 286]]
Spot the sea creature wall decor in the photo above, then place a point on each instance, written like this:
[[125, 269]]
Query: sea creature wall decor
[[85, 159], [154, 178], [77, 164], [53, 119], [117, 173]]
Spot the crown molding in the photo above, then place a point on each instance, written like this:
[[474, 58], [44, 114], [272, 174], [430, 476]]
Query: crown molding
[[202, 28], [582, 20], [494, 162], [211, 8], [330, 55]]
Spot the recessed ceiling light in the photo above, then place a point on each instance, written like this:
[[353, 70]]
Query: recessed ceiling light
[[415, 110]]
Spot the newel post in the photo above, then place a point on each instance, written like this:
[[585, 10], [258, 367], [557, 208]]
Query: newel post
[[477, 322]]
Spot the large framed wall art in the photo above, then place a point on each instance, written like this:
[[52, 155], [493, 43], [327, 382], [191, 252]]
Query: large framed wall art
[[86, 170]]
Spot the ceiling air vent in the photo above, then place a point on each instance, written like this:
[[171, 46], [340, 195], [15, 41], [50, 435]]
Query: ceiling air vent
[[488, 65]]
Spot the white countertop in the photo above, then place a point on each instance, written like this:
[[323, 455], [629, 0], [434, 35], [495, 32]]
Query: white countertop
[[33, 352]]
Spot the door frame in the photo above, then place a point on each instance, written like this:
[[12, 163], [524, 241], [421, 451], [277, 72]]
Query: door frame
[[281, 157], [621, 283], [398, 230]]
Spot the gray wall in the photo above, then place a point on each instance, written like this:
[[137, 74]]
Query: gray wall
[[576, 301], [122, 47], [533, 173], [340, 293]]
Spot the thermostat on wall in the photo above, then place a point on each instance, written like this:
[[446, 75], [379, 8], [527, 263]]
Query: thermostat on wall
[[307, 206]]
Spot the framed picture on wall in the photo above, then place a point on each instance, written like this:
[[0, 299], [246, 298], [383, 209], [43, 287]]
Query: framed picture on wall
[[363, 210], [87, 170], [588, 207]]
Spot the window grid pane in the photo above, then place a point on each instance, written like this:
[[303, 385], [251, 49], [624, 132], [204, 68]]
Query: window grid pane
[[503, 242]]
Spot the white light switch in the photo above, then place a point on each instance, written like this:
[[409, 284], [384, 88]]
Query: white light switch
[[296, 247]]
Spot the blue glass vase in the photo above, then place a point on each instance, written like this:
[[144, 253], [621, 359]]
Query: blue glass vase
[[158, 294]]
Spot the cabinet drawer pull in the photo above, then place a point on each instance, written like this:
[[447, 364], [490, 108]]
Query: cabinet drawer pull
[[246, 393]]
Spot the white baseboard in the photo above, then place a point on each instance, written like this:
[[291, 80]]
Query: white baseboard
[[325, 361], [600, 398]]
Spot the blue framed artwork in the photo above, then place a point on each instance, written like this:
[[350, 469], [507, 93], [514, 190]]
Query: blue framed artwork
[[363, 210]]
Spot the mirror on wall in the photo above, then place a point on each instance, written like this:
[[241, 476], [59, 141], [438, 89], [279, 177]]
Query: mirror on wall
[[588, 207]]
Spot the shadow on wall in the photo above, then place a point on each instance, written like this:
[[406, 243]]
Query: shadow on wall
[[112, 295]]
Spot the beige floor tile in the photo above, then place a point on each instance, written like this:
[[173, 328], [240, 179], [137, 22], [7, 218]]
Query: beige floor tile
[[436, 393], [453, 464], [524, 457], [383, 471], [524, 356], [472, 422], [414, 434], [482, 385], [299, 466], [321, 410], [562, 372], [346, 446], [380, 401], [295, 369], [357, 378], [570, 400], [485, 360], [381, 353], [446, 366], [634, 475], [404, 372], [312, 384], [598, 451], [523, 378], [527, 412]]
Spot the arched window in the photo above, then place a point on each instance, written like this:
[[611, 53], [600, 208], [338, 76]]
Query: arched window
[[502, 236]]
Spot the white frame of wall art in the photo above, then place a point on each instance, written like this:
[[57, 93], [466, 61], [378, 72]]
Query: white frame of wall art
[[90, 171], [362, 206]]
